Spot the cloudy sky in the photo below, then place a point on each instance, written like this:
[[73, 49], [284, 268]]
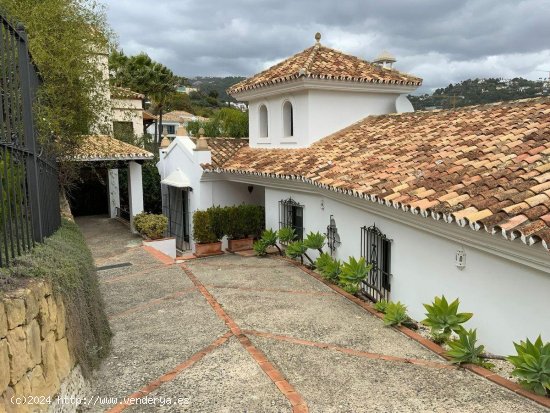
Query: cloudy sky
[[442, 41]]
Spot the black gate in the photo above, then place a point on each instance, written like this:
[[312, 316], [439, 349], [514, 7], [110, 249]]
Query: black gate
[[376, 249], [176, 208], [291, 214], [29, 193]]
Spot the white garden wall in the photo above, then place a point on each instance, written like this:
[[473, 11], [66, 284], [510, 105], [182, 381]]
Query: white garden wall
[[509, 300]]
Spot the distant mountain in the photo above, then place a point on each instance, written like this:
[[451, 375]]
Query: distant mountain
[[479, 91], [218, 84]]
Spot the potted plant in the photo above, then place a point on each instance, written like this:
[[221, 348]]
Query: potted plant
[[242, 224], [152, 227], [206, 233]]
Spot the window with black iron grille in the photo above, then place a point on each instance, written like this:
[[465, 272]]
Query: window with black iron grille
[[376, 249], [291, 214]]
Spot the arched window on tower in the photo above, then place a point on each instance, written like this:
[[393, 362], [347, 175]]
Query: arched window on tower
[[264, 126], [288, 119]]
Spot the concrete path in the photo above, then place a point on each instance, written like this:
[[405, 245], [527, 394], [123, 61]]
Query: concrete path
[[234, 334]]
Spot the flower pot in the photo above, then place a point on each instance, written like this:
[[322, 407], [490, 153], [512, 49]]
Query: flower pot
[[243, 244], [206, 250], [165, 245]]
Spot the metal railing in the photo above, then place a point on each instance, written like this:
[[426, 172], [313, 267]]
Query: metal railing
[[29, 190]]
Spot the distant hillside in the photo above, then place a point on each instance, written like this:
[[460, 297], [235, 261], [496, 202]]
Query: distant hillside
[[217, 84], [478, 91]]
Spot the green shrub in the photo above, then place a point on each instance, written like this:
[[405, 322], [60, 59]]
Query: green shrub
[[396, 314], [202, 228], [350, 288], [253, 218], [333, 270], [328, 267], [323, 261], [217, 218], [151, 226], [315, 241], [354, 271], [381, 306], [234, 222], [296, 249], [464, 349], [532, 365], [443, 318], [269, 237], [286, 235], [65, 260], [260, 248]]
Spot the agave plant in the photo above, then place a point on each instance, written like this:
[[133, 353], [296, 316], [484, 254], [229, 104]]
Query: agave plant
[[260, 248], [443, 318], [298, 249], [269, 238], [323, 261], [532, 365], [286, 235], [328, 267], [464, 350], [396, 314], [381, 306], [315, 241], [354, 271]]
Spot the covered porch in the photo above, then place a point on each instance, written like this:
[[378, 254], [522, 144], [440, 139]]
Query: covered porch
[[98, 192]]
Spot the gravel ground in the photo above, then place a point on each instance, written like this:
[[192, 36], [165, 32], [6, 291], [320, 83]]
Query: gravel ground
[[335, 382], [155, 333], [225, 381]]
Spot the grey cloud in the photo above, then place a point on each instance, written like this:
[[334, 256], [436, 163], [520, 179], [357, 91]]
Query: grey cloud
[[442, 41]]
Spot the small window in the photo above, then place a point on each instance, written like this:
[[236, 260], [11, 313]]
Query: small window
[[170, 129], [264, 127], [291, 214], [288, 119]]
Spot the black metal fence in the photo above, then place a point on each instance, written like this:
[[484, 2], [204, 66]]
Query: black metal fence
[[29, 190], [376, 249]]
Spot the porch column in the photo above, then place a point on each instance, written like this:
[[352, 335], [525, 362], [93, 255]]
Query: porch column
[[114, 192], [135, 191]]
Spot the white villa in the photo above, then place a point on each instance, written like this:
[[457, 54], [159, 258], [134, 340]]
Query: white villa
[[450, 202]]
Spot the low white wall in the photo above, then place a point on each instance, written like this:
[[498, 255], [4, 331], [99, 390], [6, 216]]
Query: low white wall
[[509, 300], [167, 246]]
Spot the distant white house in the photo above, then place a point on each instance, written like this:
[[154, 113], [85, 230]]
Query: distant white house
[[186, 89], [171, 121], [453, 202]]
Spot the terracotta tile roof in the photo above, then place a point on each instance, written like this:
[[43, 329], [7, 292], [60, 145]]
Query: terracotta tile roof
[[482, 166], [149, 116], [320, 62], [106, 148], [223, 149], [123, 93]]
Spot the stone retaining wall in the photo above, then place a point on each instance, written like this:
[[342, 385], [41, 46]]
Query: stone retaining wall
[[34, 353]]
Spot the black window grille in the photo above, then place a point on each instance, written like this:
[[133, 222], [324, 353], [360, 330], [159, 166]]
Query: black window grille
[[376, 249], [291, 214]]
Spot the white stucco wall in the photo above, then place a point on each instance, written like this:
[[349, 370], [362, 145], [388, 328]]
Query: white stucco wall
[[509, 300], [181, 154], [320, 108]]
